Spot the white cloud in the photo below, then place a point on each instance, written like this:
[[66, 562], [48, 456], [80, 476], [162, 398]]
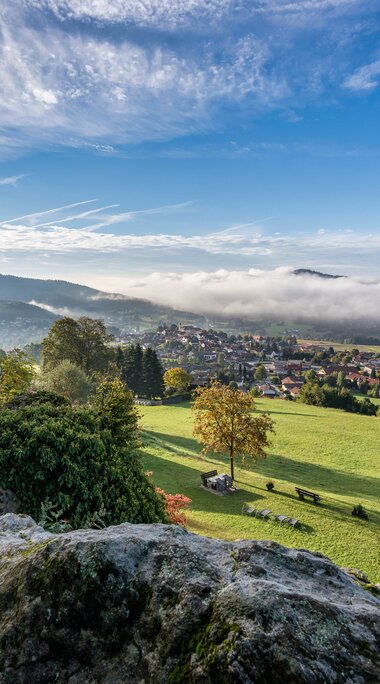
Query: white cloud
[[57, 238], [365, 78], [44, 232], [62, 85], [168, 14], [277, 294], [101, 73], [12, 180], [59, 310], [172, 14]]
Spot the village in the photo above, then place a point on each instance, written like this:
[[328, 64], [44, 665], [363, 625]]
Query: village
[[272, 366]]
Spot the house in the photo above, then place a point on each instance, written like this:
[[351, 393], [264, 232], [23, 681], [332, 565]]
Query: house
[[268, 391]]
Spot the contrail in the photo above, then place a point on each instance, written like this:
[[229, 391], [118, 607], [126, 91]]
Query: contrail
[[49, 211]]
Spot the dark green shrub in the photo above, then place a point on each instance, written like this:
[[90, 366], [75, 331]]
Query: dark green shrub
[[63, 455], [359, 512]]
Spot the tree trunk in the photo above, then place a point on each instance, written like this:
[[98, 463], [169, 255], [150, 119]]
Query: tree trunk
[[232, 463]]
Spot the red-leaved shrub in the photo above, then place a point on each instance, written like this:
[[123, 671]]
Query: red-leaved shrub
[[175, 504]]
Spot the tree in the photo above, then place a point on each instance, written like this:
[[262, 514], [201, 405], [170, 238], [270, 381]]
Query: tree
[[224, 423], [178, 379], [260, 372], [340, 379], [68, 380], [152, 375], [16, 374], [84, 342], [117, 411], [34, 350], [62, 456], [132, 368], [311, 393], [310, 375]]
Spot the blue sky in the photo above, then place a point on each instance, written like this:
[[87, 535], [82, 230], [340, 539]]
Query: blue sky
[[188, 137]]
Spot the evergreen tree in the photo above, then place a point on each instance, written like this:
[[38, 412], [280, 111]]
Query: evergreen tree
[[132, 368], [119, 360], [152, 375]]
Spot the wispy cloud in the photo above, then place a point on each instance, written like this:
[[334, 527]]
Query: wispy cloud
[[31, 235], [37, 214], [12, 180], [365, 78], [59, 83], [114, 72], [168, 14]]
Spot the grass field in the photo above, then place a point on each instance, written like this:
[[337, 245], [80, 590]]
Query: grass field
[[334, 453], [338, 346]]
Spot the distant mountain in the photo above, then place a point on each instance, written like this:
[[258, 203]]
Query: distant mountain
[[309, 271], [12, 310], [21, 323], [30, 306]]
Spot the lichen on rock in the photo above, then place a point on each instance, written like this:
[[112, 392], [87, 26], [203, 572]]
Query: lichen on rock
[[153, 603]]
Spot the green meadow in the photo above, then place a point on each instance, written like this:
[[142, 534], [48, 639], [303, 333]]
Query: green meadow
[[333, 453]]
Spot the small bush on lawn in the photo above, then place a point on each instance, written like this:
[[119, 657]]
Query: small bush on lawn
[[359, 512]]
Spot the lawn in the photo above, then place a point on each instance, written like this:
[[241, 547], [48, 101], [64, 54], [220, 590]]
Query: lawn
[[334, 453], [341, 346]]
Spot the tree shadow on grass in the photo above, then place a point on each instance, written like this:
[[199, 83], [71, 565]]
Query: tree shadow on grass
[[175, 442], [182, 478], [287, 413], [313, 476]]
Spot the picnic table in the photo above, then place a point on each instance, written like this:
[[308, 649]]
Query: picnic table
[[220, 482], [206, 476]]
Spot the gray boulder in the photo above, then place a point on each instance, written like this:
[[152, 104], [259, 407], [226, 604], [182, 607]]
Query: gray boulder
[[153, 603]]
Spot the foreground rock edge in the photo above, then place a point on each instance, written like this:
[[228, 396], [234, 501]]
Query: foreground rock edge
[[153, 603]]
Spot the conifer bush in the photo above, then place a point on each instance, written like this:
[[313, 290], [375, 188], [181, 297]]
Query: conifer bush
[[64, 455]]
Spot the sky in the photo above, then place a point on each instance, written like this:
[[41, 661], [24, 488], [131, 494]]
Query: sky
[[152, 148]]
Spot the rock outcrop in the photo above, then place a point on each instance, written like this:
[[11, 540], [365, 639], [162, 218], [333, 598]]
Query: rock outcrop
[[8, 502], [153, 603]]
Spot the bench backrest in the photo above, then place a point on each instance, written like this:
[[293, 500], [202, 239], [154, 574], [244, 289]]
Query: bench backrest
[[305, 491], [212, 473]]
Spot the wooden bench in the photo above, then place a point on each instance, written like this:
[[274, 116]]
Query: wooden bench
[[304, 492], [205, 476]]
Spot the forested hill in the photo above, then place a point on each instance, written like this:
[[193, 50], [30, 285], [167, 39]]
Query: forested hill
[[21, 323], [318, 274], [54, 293], [62, 297], [11, 310], [30, 306]]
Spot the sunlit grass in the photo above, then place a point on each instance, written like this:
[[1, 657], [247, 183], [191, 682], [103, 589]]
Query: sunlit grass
[[331, 452]]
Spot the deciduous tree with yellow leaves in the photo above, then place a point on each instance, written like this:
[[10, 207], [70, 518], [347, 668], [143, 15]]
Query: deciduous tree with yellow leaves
[[224, 424], [178, 379]]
